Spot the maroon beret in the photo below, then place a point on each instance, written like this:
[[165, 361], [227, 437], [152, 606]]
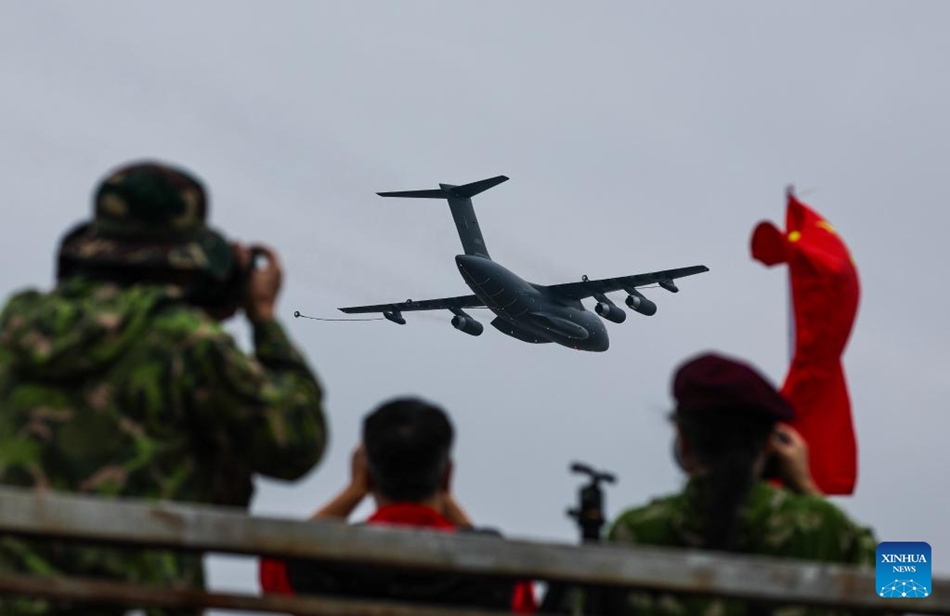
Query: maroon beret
[[712, 382]]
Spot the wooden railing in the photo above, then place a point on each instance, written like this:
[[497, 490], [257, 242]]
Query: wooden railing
[[212, 529]]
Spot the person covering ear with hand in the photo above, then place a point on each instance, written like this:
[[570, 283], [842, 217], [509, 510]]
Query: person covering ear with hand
[[404, 464]]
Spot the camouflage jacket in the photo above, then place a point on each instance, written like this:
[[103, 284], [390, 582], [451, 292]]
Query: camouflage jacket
[[775, 522], [132, 392]]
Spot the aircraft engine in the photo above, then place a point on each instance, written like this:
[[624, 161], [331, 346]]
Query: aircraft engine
[[641, 304], [395, 316], [468, 325], [610, 312]]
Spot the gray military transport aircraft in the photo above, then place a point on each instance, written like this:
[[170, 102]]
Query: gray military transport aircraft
[[529, 312]]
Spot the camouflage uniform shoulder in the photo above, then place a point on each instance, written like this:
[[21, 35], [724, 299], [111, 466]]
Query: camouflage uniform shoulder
[[79, 327], [810, 527], [172, 319], [648, 523], [189, 322]]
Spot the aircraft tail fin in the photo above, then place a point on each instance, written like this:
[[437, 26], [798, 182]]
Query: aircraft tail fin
[[460, 202]]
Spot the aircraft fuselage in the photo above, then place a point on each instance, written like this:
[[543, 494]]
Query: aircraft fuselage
[[525, 311], [531, 312]]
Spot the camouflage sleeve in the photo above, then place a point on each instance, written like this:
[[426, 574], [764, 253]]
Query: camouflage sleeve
[[270, 406], [274, 349]]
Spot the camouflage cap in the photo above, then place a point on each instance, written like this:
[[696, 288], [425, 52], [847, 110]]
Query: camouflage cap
[[150, 215]]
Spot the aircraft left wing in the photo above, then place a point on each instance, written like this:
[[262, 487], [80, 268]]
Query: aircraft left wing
[[444, 303], [588, 288]]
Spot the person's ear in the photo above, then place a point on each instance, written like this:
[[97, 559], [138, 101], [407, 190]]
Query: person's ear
[[447, 477]]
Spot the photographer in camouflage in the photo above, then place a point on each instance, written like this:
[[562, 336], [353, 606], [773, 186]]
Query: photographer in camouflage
[[122, 382], [731, 439]]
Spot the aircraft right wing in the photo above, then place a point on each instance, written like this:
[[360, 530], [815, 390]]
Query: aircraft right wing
[[588, 288], [444, 303]]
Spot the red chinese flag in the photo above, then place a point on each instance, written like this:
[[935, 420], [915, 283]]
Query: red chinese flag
[[825, 292]]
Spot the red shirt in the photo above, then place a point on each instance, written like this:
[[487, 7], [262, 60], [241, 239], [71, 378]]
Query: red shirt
[[273, 572]]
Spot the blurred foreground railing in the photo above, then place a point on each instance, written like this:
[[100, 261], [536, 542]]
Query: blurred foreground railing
[[211, 529]]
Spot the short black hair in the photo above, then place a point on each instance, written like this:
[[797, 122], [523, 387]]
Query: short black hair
[[407, 442]]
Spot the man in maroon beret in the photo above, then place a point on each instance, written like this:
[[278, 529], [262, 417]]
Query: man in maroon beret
[[729, 429]]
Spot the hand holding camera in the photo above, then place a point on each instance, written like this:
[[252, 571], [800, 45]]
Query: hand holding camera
[[263, 280], [790, 452]]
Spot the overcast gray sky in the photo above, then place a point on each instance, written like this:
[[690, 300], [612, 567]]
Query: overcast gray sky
[[638, 136]]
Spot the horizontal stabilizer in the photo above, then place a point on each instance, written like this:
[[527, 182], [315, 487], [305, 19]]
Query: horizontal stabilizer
[[467, 191], [448, 191], [415, 194]]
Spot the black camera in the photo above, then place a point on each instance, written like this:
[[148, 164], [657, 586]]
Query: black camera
[[229, 294], [771, 470]]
